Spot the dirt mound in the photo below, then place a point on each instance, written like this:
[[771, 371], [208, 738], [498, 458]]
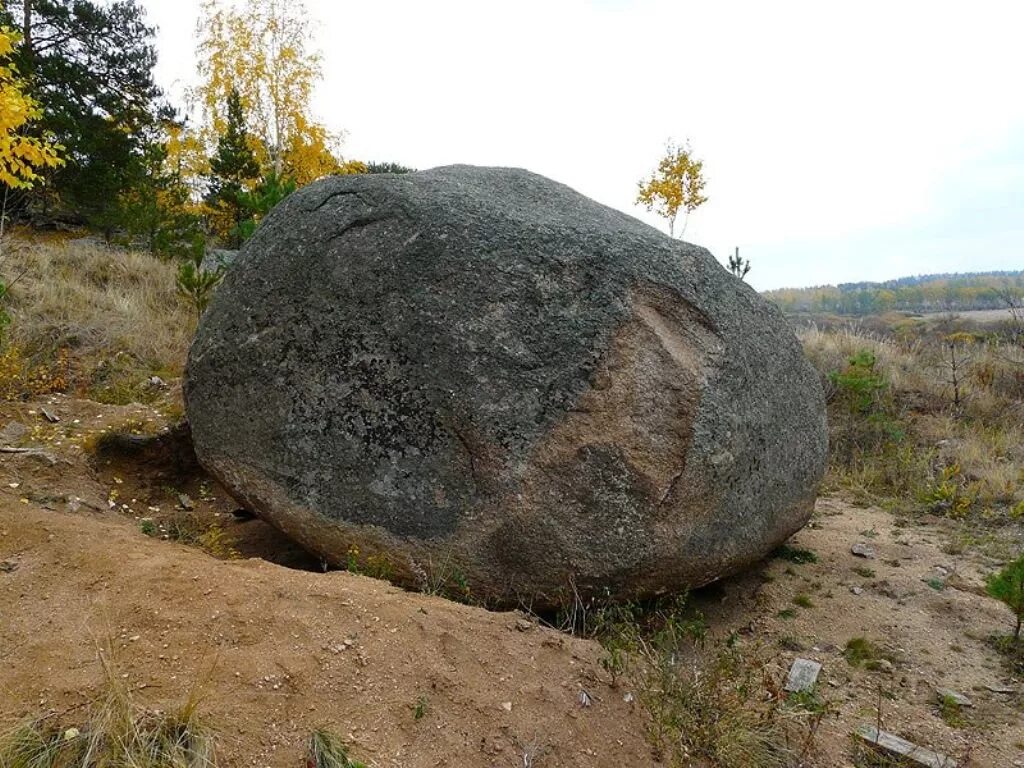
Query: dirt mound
[[278, 652]]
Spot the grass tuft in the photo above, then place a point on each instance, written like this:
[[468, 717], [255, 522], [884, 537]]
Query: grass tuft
[[327, 750], [117, 733], [804, 601]]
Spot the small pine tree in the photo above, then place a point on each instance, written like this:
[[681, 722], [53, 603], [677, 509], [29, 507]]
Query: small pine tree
[[738, 266], [233, 168], [195, 284], [156, 210], [1008, 586]]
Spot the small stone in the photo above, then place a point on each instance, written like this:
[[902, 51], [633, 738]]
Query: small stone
[[507, 706], [13, 432], [884, 665], [8, 566], [185, 502], [860, 549], [585, 699], [629, 698], [893, 745], [857, 590], [1003, 689], [802, 675], [948, 694], [523, 625]]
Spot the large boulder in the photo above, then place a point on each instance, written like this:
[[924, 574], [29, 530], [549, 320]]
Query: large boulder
[[479, 376]]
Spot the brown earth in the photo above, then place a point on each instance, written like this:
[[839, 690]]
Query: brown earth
[[278, 651]]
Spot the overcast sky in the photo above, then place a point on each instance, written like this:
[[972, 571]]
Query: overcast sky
[[841, 141]]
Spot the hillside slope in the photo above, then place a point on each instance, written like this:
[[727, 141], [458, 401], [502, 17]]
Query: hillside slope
[[279, 652]]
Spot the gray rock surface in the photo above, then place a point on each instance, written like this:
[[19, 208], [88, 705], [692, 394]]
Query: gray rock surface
[[860, 549], [477, 376], [217, 259], [803, 675], [901, 749], [957, 698]]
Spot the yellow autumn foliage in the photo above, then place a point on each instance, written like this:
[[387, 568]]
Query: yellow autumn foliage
[[20, 156], [259, 48], [677, 185]]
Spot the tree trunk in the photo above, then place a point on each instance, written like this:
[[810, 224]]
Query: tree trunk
[[26, 29]]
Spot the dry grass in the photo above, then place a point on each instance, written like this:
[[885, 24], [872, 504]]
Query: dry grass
[[87, 317], [114, 731], [710, 701], [941, 441]]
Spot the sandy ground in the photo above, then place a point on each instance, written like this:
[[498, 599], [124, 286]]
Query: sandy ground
[[279, 650], [925, 609]]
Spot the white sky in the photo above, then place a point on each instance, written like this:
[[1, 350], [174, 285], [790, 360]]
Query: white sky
[[842, 141]]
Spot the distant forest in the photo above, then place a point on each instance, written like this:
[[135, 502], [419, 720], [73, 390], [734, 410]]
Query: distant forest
[[923, 293]]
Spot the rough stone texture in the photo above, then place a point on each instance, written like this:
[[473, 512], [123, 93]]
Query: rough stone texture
[[803, 676], [480, 376], [901, 749], [217, 258], [948, 694]]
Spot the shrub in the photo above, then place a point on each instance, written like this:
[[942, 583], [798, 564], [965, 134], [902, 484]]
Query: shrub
[[196, 284], [708, 703], [859, 385], [900, 433], [948, 494], [862, 409], [1008, 585]]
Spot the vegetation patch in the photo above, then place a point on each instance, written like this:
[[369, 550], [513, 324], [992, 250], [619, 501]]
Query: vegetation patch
[[327, 750], [861, 652], [115, 731], [796, 555], [709, 701], [89, 320], [926, 420], [951, 712]]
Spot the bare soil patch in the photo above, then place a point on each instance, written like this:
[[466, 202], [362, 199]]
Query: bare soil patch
[[279, 651]]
